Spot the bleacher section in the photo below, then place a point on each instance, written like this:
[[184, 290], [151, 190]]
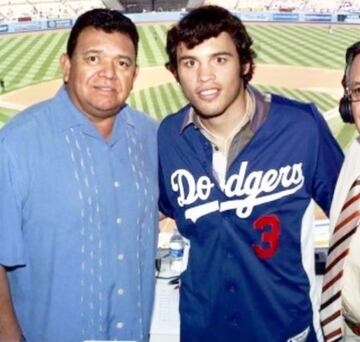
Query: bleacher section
[[114, 4], [194, 4], [15, 10], [323, 5], [32, 10], [316, 6], [166, 5], [138, 6], [229, 4], [287, 5], [251, 5], [350, 6]]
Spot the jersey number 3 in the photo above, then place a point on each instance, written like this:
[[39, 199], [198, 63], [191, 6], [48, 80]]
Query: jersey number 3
[[269, 238]]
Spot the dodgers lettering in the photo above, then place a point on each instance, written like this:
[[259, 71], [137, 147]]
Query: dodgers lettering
[[272, 185]]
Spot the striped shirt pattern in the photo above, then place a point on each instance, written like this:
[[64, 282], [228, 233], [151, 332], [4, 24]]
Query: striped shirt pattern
[[331, 308]]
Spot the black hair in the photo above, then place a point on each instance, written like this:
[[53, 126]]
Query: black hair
[[206, 22], [102, 19]]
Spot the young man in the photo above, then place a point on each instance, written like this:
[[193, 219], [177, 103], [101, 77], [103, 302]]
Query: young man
[[340, 309], [78, 200], [238, 172]]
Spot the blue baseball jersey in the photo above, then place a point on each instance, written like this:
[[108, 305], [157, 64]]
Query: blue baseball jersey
[[250, 273]]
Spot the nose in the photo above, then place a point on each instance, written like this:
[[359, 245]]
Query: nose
[[206, 72], [108, 69]]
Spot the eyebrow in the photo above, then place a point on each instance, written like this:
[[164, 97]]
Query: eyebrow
[[217, 54], [356, 83], [98, 51], [92, 51]]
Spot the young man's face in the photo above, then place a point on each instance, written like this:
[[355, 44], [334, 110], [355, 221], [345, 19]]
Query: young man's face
[[101, 72], [355, 88], [210, 76]]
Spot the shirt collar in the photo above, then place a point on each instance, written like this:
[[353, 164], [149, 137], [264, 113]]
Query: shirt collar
[[188, 119], [67, 115]]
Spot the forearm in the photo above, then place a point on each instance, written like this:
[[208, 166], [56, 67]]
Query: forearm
[[9, 328]]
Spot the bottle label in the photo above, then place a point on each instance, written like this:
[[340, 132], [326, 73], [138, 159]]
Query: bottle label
[[176, 250]]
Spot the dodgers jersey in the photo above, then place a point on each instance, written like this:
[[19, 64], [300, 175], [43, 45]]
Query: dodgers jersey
[[250, 274]]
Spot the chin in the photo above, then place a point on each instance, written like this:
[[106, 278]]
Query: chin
[[208, 115], [106, 106]]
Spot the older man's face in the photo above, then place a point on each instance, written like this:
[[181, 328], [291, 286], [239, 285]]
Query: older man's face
[[101, 72]]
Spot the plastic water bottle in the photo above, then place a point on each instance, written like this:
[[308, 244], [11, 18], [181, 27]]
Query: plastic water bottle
[[176, 251]]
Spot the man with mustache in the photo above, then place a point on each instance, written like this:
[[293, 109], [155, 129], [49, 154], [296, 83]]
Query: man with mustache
[[78, 200]]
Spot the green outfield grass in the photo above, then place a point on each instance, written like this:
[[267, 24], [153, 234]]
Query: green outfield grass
[[309, 46], [31, 59], [148, 101]]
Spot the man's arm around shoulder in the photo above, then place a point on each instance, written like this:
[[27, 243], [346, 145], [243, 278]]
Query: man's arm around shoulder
[[9, 328]]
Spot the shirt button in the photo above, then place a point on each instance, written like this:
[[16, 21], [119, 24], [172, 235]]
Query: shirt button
[[120, 257], [120, 292], [116, 184], [119, 220], [119, 325]]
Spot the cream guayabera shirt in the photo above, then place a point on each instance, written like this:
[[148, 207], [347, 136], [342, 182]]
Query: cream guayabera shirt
[[351, 278]]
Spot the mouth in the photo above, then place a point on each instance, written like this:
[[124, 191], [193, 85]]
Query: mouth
[[104, 89], [209, 94]]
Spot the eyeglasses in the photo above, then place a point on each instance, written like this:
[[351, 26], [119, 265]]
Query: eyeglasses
[[354, 94]]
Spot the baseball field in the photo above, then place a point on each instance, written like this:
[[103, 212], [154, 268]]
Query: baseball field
[[304, 62]]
